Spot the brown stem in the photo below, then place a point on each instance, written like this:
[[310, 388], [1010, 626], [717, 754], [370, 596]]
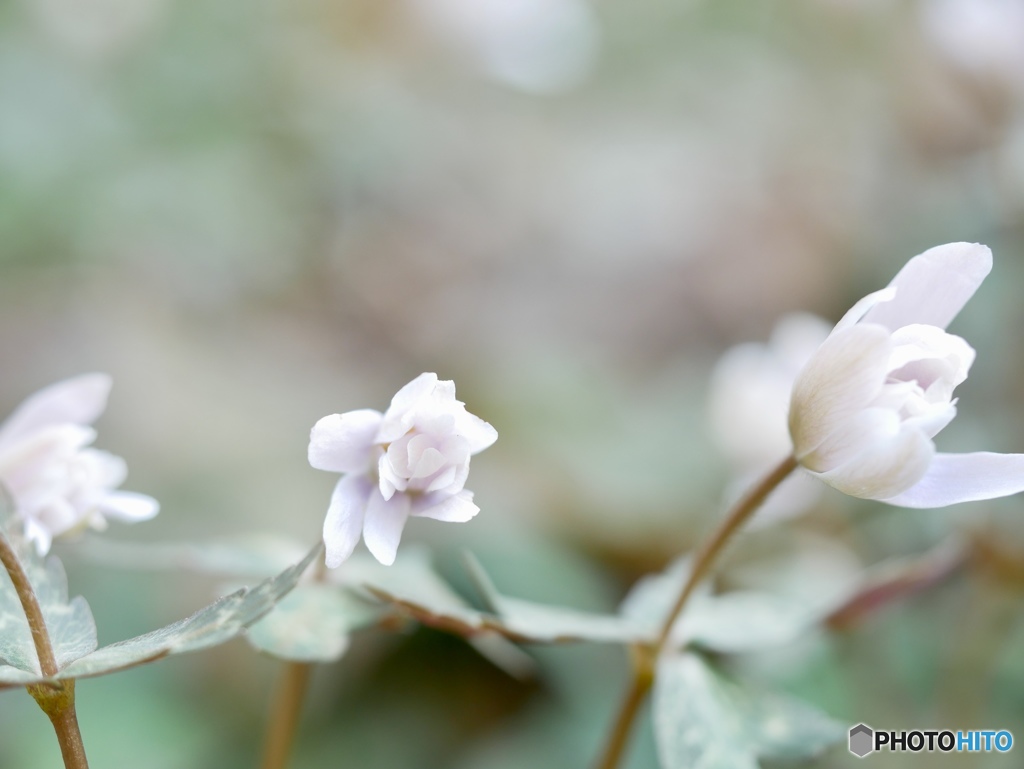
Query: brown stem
[[30, 605], [286, 707], [639, 685], [645, 663], [284, 714], [56, 699], [713, 546], [58, 702]]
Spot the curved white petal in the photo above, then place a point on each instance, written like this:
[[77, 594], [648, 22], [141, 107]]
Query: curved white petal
[[38, 534], [934, 286], [400, 414], [344, 520], [884, 468], [79, 401], [477, 432], [955, 478], [842, 377], [863, 306], [343, 443], [382, 528], [848, 440], [414, 391], [129, 506], [457, 508]]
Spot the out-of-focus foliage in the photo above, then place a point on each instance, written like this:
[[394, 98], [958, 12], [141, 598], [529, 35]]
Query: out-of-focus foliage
[[253, 215]]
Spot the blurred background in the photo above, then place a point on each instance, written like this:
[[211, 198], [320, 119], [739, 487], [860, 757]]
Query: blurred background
[[256, 214]]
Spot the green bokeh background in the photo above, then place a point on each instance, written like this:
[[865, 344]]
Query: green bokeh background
[[256, 214]]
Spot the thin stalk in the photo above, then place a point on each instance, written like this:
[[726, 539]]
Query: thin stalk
[[286, 707], [57, 699], [285, 711], [30, 605], [644, 664]]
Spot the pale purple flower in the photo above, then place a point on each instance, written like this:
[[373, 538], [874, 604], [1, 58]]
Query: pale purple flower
[[411, 460], [57, 483], [866, 407]]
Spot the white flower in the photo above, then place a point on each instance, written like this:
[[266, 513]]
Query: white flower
[[411, 460], [56, 482], [866, 407], [983, 37], [749, 400]]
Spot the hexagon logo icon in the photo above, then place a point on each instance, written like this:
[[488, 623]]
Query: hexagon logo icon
[[862, 740]]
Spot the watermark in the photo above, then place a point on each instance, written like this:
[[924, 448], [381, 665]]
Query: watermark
[[863, 741]]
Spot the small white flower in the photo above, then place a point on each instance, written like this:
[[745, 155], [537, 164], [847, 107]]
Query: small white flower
[[411, 460], [982, 37], [749, 400], [56, 482], [866, 407]]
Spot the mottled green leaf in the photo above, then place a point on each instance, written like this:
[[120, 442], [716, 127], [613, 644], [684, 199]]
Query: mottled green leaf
[[412, 585], [219, 622], [215, 624], [542, 623], [312, 624], [703, 721], [69, 624], [739, 622]]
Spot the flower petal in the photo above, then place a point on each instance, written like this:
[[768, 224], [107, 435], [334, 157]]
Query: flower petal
[[382, 528], [344, 520], [457, 508], [848, 440], [884, 468], [863, 306], [129, 506], [477, 432], [402, 412], [934, 286], [79, 401], [955, 478], [343, 443], [842, 377]]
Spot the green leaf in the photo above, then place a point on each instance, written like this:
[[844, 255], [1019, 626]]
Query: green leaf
[[702, 721], [412, 585], [744, 621], [312, 624], [527, 621], [219, 622], [69, 624]]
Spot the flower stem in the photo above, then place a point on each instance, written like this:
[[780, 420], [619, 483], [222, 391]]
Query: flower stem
[[30, 605], [644, 664], [286, 707], [284, 714], [56, 699]]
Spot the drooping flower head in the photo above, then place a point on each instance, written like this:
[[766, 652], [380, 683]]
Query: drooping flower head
[[411, 460], [56, 482], [865, 409]]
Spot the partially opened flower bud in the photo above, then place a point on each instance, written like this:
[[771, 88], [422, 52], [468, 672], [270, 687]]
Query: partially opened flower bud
[[866, 407]]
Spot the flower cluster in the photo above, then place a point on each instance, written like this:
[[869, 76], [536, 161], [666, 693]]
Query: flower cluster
[[411, 460], [865, 409], [56, 483]]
